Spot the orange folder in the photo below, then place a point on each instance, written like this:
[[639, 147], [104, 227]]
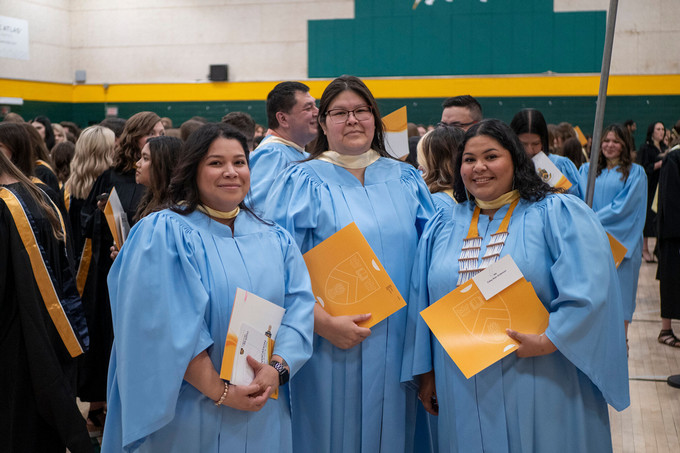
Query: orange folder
[[348, 279], [472, 329], [618, 249], [116, 218]]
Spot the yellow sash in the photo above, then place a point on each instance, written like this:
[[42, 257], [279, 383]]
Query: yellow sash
[[67, 198], [44, 164], [41, 274], [84, 266]]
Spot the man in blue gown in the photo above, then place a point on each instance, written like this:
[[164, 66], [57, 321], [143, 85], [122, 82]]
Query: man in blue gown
[[292, 119]]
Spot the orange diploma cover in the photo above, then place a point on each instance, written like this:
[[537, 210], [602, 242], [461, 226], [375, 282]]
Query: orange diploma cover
[[348, 279], [472, 329], [618, 249]]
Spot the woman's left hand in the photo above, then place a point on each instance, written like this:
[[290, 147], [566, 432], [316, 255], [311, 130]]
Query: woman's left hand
[[531, 345], [265, 376], [114, 252]]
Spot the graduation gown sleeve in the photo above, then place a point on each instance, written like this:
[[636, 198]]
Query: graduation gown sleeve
[[586, 316], [154, 345], [266, 162]]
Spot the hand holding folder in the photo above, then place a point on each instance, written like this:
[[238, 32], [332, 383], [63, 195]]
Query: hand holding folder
[[471, 321], [252, 330], [348, 279]]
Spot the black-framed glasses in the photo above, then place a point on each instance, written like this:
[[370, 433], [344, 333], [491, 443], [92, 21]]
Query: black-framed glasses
[[339, 116], [457, 124]]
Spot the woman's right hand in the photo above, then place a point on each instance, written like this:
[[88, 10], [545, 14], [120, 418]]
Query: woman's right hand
[[342, 331], [427, 393], [239, 397]]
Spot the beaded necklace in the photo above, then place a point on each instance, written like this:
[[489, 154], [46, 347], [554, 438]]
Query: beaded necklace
[[472, 244]]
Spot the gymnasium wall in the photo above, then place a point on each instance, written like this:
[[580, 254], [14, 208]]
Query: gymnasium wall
[[155, 55]]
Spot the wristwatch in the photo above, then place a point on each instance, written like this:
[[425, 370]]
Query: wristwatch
[[283, 372]]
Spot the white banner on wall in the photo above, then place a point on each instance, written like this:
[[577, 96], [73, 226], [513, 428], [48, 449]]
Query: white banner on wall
[[13, 38]]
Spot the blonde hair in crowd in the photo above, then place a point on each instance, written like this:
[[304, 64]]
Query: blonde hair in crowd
[[93, 155]]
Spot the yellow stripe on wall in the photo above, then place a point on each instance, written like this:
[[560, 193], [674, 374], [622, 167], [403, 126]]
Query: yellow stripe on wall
[[434, 87]]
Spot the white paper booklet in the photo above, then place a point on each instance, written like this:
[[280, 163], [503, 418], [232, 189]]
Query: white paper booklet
[[252, 331]]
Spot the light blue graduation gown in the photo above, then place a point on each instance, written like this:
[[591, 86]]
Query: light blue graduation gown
[[621, 207], [172, 289], [556, 402], [352, 400], [569, 170], [443, 201], [266, 162]]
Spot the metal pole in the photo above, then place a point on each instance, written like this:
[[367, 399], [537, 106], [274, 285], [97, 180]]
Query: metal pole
[[601, 100]]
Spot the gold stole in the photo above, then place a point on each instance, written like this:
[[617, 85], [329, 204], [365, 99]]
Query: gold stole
[[41, 274]]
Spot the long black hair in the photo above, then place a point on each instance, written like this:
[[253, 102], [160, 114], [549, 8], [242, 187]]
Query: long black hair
[[165, 152], [649, 139], [626, 157], [49, 132], [184, 193], [531, 121], [333, 90], [530, 185]]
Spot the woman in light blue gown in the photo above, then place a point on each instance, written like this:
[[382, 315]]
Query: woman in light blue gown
[[172, 289], [620, 202], [552, 393], [348, 397], [532, 130]]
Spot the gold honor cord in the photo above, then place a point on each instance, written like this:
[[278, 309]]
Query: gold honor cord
[[41, 275], [362, 160], [84, 266]]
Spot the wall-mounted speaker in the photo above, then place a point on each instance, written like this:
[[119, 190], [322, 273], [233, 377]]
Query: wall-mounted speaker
[[81, 76], [219, 72]]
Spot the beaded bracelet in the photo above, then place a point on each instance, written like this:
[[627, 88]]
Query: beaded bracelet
[[224, 395]]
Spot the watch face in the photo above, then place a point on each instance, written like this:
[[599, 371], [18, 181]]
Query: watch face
[[283, 372]]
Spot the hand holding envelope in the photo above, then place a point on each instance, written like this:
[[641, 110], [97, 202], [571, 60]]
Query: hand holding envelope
[[343, 331], [531, 345], [352, 288], [472, 321]]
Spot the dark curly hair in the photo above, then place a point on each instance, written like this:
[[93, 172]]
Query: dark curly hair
[[127, 152], [530, 185], [626, 157]]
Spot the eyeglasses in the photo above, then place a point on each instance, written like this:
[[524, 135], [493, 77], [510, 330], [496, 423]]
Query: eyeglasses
[[339, 116], [457, 124]]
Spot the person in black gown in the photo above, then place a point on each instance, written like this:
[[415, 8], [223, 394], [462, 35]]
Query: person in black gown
[[650, 156], [42, 324]]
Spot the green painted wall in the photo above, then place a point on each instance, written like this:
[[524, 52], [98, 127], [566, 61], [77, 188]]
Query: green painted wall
[[388, 38], [575, 110]]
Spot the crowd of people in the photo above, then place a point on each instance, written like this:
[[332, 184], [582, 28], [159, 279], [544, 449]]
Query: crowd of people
[[138, 330]]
